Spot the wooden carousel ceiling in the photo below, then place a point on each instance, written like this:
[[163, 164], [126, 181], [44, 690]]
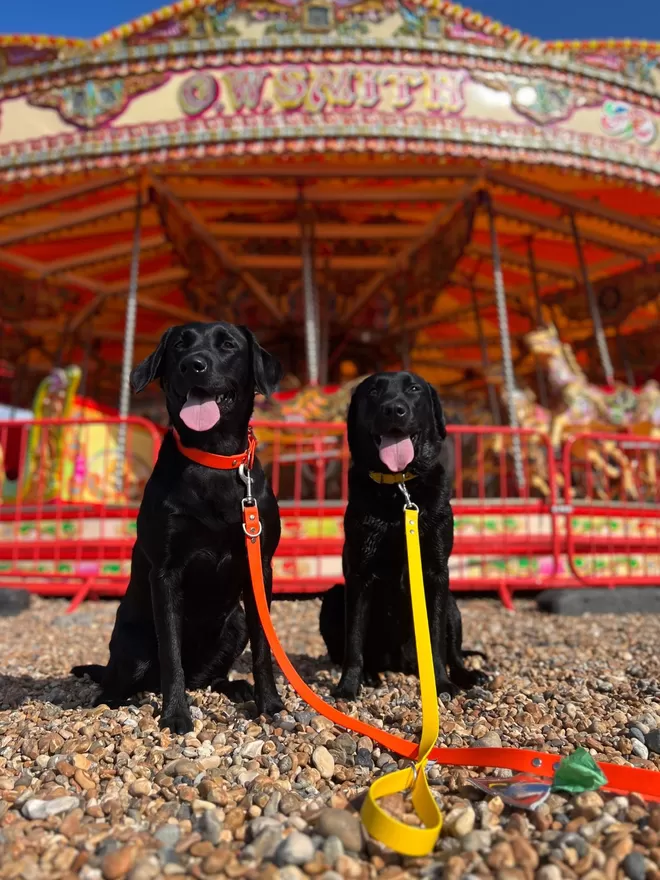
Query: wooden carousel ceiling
[[226, 242]]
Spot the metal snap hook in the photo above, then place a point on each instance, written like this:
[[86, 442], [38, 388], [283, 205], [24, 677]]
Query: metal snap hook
[[406, 494], [246, 476]]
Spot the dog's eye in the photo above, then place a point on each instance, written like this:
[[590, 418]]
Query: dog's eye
[[373, 392], [228, 345], [415, 389]]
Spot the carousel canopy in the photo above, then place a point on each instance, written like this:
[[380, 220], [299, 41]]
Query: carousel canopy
[[241, 154]]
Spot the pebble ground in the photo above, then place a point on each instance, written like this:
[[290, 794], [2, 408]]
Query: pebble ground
[[105, 795]]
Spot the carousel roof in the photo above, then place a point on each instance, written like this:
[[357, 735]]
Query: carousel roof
[[235, 129]]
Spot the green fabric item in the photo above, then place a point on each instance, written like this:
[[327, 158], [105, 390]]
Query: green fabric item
[[578, 772]]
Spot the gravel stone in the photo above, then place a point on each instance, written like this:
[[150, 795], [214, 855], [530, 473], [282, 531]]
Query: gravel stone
[[492, 740], [116, 864], [343, 825], [333, 849], [147, 868], [168, 835], [296, 849], [266, 844], [640, 749], [324, 762], [634, 866], [549, 872], [652, 740], [290, 872], [37, 809], [477, 841], [459, 822], [363, 758], [211, 826]]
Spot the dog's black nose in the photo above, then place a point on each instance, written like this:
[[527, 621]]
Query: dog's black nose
[[395, 410], [194, 363]]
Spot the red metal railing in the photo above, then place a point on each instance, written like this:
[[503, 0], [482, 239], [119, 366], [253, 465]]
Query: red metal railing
[[67, 507], [67, 513], [614, 483]]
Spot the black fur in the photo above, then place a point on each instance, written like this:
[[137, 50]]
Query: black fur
[[180, 624], [372, 614]]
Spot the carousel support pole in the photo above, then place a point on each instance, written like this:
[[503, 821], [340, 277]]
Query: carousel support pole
[[324, 310], [540, 375], [505, 340], [129, 345], [485, 360], [623, 354], [405, 337], [601, 341], [87, 356], [310, 300]]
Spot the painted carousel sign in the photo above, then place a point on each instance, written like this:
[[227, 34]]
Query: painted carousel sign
[[315, 89], [230, 78]]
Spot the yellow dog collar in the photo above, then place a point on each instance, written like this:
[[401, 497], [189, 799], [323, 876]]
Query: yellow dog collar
[[391, 479]]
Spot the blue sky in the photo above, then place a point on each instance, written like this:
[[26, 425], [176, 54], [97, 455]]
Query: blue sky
[[547, 19]]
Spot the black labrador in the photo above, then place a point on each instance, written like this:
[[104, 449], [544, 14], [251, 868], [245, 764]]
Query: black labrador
[[395, 426], [180, 624]]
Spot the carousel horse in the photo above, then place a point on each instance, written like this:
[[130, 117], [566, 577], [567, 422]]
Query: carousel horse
[[531, 415], [53, 399], [588, 408], [647, 424], [320, 455]]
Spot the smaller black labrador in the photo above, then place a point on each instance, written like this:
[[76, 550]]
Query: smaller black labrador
[[396, 426], [180, 623]]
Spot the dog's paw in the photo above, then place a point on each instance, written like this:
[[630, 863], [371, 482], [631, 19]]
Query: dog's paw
[[267, 699], [444, 686], [372, 679], [239, 691], [468, 678], [269, 705], [347, 690], [108, 700], [179, 721]]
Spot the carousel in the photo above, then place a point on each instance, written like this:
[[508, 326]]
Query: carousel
[[367, 185]]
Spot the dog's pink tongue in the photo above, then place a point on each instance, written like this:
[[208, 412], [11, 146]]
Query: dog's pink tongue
[[396, 453], [200, 412]]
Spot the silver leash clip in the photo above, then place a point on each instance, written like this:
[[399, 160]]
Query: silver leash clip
[[409, 505], [248, 501], [246, 476]]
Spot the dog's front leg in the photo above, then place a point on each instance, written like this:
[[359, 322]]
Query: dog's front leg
[[437, 604], [265, 691], [165, 598], [358, 594]]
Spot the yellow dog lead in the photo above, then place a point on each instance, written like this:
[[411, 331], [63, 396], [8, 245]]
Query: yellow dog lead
[[406, 839]]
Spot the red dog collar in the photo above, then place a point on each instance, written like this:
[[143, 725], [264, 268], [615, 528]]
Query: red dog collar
[[220, 462]]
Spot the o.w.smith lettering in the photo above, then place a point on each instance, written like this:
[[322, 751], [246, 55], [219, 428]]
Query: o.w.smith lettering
[[314, 89]]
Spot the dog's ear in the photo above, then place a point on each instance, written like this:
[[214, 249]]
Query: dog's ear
[[351, 421], [438, 412], [151, 367], [266, 368]]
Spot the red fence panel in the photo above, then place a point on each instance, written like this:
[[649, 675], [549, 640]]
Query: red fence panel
[[612, 509], [307, 465], [68, 506]]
